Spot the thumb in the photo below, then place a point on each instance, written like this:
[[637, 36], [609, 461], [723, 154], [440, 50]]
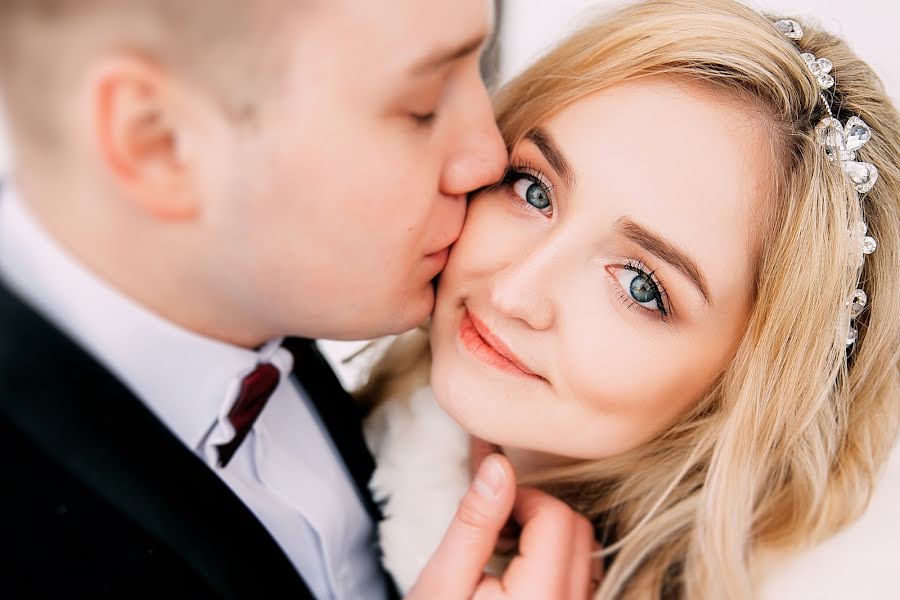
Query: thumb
[[478, 450], [457, 566]]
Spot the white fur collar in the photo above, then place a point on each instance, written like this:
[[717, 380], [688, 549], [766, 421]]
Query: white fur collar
[[422, 472]]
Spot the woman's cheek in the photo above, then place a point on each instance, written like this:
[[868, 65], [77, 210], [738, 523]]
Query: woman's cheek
[[609, 365], [480, 252]]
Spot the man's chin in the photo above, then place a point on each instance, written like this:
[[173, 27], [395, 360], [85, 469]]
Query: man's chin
[[415, 311], [404, 314]]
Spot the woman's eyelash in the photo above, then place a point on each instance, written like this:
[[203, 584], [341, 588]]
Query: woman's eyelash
[[537, 193], [662, 304], [514, 172], [524, 169]]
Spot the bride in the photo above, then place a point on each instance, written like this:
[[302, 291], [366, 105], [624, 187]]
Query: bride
[[679, 311]]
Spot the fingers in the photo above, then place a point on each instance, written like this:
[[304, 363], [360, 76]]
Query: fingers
[[554, 550], [479, 449], [596, 571], [456, 567], [581, 576]]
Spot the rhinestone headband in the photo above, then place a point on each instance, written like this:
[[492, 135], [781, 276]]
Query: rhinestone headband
[[840, 143]]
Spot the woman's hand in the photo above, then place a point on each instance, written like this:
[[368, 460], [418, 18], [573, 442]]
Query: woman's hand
[[555, 547]]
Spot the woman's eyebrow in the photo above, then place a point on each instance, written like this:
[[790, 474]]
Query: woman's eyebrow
[[548, 147], [664, 250]]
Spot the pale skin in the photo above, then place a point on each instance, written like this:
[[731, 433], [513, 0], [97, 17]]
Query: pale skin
[[319, 166], [328, 217], [562, 277]]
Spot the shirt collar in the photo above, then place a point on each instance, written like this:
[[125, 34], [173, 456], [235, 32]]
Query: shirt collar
[[183, 377]]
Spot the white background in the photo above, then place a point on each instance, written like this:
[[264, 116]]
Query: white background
[[871, 27]]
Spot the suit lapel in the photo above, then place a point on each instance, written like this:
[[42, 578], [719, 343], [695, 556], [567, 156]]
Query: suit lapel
[[95, 429], [339, 413]]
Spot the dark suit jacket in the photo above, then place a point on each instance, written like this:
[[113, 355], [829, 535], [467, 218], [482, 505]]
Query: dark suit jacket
[[99, 498]]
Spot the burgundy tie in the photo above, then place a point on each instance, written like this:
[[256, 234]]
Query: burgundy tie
[[256, 388]]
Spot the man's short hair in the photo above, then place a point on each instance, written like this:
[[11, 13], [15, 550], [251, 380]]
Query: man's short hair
[[225, 45]]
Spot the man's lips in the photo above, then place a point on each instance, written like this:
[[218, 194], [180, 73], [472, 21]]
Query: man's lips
[[443, 253], [479, 339], [437, 262]]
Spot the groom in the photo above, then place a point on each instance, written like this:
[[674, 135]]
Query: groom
[[199, 189]]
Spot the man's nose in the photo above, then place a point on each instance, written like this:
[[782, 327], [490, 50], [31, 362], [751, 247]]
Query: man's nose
[[452, 216], [478, 157]]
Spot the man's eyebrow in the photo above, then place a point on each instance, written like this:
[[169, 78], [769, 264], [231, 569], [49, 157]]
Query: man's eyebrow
[[664, 250], [548, 147], [448, 55]]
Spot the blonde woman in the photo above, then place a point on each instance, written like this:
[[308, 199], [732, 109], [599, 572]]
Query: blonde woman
[[679, 311]]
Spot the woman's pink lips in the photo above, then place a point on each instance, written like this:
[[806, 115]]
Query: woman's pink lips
[[479, 340]]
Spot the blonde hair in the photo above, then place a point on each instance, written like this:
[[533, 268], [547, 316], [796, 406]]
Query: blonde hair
[[785, 446]]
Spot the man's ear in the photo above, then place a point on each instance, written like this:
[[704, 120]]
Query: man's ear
[[141, 128]]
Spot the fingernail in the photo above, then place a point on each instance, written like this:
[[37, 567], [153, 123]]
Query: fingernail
[[490, 478]]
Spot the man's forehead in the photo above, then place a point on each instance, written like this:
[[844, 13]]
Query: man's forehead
[[461, 28], [411, 36]]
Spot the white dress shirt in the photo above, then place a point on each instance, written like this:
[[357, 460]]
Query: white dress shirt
[[287, 470]]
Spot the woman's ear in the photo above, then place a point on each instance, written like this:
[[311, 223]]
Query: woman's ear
[[141, 130]]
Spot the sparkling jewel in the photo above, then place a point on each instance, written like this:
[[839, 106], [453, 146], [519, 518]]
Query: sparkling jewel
[[858, 302], [852, 336], [856, 134], [869, 245], [858, 243], [790, 28], [820, 69], [830, 134], [822, 66], [863, 175], [817, 66], [841, 143]]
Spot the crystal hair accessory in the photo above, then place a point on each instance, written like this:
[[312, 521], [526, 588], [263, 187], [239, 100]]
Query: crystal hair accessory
[[840, 142], [790, 28], [820, 68]]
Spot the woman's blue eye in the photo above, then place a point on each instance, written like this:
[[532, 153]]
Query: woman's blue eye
[[533, 193], [641, 288]]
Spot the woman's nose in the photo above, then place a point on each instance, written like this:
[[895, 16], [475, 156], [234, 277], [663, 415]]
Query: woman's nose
[[522, 291]]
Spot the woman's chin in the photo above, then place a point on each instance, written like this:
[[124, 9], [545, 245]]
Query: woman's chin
[[527, 461], [466, 409]]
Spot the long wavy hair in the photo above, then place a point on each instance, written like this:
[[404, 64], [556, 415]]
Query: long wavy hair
[[786, 445]]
